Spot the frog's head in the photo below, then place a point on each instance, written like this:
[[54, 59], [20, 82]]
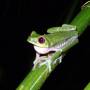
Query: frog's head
[[38, 40]]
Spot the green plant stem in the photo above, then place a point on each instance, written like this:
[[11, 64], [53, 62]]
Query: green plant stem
[[87, 86], [82, 20], [37, 77]]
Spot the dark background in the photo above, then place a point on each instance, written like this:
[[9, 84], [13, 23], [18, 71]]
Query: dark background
[[18, 19]]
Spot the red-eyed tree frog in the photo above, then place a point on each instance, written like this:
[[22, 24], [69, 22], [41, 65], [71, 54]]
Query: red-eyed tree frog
[[56, 40]]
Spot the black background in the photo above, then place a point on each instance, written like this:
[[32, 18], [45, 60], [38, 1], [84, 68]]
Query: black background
[[18, 19]]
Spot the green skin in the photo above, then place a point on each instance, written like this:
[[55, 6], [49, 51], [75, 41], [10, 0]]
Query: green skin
[[56, 39]]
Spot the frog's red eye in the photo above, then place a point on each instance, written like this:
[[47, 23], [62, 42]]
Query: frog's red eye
[[41, 40]]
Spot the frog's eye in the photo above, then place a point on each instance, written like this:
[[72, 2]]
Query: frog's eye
[[41, 40]]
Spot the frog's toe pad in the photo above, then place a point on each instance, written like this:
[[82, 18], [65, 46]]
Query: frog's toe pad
[[47, 63]]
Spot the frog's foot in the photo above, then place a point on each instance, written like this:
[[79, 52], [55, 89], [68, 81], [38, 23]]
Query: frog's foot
[[47, 62], [58, 60]]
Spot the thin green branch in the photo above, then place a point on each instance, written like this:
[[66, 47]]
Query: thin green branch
[[87, 86], [37, 77], [82, 20]]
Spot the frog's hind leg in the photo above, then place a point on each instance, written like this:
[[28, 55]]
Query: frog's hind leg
[[59, 60]]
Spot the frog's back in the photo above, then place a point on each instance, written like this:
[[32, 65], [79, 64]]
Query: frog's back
[[59, 37]]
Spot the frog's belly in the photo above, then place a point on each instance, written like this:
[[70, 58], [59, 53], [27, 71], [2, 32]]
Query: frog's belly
[[45, 50], [41, 50]]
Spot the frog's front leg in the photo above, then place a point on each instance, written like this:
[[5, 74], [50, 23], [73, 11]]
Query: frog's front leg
[[48, 63], [38, 60]]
